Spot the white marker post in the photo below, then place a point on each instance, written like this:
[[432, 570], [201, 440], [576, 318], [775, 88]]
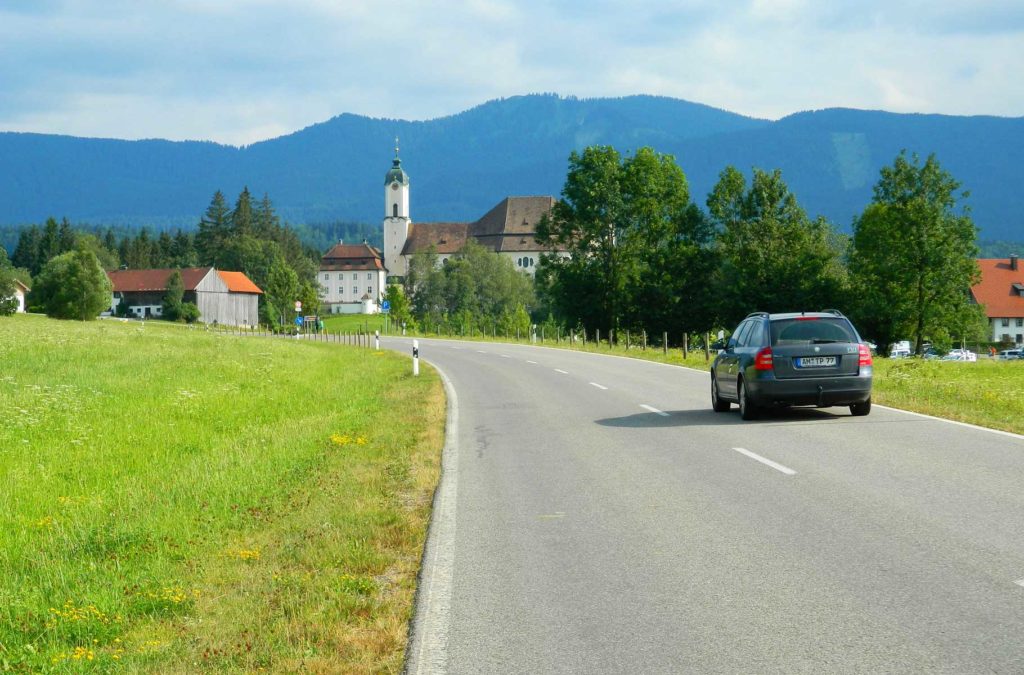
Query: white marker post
[[415, 357], [376, 339]]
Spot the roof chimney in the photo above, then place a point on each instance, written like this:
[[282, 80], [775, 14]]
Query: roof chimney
[[1013, 262], [340, 242]]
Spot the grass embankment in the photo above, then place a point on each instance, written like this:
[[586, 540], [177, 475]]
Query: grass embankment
[[183, 501], [988, 393]]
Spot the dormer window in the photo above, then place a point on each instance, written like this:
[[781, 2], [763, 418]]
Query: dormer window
[[394, 210]]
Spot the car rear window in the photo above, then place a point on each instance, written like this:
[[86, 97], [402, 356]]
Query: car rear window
[[811, 329]]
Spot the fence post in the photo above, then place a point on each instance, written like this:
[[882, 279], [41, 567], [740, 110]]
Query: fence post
[[707, 346], [597, 336], [645, 340], [627, 340], [686, 345], [664, 342]]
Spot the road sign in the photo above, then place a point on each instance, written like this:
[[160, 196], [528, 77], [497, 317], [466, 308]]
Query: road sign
[[385, 306], [298, 305]]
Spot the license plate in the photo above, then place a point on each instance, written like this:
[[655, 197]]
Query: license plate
[[816, 362]]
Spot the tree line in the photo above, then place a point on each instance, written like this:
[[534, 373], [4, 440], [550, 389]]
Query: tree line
[[645, 257], [248, 237]]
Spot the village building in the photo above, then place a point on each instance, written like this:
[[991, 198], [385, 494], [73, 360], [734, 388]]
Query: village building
[[352, 279], [20, 291], [508, 229], [225, 298], [1001, 293]]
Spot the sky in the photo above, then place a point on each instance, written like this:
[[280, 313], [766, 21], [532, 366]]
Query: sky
[[240, 71]]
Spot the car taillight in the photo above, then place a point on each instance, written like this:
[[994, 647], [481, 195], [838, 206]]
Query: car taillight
[[763, 360], [865, 355]]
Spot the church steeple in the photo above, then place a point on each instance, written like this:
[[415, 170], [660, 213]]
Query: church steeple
[[396, 215]]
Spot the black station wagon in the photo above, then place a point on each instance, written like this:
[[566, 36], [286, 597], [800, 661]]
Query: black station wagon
[[796, 359]]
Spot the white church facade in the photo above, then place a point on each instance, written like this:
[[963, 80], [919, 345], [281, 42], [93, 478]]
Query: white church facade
[[507, 229]]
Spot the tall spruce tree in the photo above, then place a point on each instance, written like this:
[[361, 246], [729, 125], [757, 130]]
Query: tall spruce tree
[[27, 250], [214, 229], [242, 217]]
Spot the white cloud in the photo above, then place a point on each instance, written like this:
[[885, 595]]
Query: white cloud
[[240, 70]]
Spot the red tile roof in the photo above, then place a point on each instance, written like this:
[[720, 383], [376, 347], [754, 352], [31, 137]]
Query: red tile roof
[[239, 283], [344, 257], [127, 281], [996, 289]]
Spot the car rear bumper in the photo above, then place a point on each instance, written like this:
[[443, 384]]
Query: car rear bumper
[[817, 391]]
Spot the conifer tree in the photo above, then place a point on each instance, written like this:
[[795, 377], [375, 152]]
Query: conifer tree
[[26, 252], [214, 229], [242, 217]]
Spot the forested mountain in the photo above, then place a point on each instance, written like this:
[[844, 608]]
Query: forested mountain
[[462, 165]]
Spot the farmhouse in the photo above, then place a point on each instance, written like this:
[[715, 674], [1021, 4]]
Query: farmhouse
[[228, 298], [20, 291], [352, 279], [1001, 292], [507, 229]]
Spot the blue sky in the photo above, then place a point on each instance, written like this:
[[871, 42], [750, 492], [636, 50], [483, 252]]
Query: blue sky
[[239, 71]]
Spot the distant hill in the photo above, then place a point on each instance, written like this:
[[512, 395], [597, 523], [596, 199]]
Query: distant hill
[[464, 164]]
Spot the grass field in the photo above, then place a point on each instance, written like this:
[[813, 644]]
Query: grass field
[[173, 500]]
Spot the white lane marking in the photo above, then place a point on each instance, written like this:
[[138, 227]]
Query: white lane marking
[[533, 362], [563, 372], [480, 351], [432, 622], [599, 386], [959, 424], [505, 356], [1019, 582], [767, 462], [654, 410]]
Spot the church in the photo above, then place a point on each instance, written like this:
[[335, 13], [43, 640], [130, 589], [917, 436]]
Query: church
[[507, 229]]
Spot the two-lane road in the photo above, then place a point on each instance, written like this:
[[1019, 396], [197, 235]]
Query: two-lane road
[[602, 519]]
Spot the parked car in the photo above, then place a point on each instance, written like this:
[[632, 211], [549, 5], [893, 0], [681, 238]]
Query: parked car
[[899, 354], [960, 355], [794, 359], [1011, 354]]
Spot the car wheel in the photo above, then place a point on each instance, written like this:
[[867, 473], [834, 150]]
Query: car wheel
[[748, 410], [718, 404], [861, 409]]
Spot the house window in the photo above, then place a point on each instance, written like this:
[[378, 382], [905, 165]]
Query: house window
[[341, 290], [369, 289], [327, 277], [355, 291], [1020, 322], [369, 275], [355, 276], [394, 210], [1019, 338], [1006, 322]]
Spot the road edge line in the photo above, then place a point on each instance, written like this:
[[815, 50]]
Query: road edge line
[[427, 648]]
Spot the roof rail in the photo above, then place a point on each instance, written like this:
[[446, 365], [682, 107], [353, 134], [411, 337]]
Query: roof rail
[[832, 311], [756, 314]]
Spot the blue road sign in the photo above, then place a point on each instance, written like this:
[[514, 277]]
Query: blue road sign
[[386, 305]]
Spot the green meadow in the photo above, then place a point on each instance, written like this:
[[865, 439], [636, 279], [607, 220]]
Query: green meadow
[[178, 500]]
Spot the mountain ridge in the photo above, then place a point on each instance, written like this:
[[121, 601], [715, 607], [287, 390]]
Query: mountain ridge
[[464, 163]]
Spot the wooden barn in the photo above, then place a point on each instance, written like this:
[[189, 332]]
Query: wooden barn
[[228, 298]]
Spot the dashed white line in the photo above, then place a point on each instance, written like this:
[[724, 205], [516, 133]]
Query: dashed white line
[[505, 356], [563, 372], [1019, 582], [599, 386], [480, 351], [767, 462], [654, 410], [533, 362]]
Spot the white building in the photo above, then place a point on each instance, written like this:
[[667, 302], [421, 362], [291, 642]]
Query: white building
[[352, 279], [20, 290], [1001, 293], [507, 229]]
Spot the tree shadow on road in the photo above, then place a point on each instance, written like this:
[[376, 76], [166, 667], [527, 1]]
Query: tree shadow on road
[[709, 418]]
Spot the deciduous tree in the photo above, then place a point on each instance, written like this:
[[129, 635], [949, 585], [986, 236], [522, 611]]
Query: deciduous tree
[[73, 286], [913, 256]]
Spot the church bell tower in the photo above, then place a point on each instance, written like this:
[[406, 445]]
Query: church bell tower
[[396, 217]]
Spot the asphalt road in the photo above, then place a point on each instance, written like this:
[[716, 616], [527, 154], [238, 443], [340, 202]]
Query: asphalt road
[[596, 516]]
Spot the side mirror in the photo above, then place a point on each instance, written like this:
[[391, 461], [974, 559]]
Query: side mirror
[[717, 345]]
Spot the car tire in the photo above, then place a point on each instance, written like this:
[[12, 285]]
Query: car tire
[[860, 409], [748, 410], [718, 404]]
